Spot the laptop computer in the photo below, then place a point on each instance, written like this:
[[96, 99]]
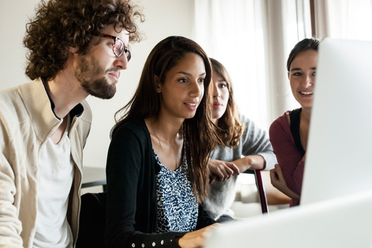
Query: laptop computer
[[337, 187]]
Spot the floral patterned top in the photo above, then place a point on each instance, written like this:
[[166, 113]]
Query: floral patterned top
[[177, 208]]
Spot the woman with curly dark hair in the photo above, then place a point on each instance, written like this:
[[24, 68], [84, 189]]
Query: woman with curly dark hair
[[76, 48], [245, 146]]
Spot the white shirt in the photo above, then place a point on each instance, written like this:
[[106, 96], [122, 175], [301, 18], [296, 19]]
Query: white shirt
[[56, 172]]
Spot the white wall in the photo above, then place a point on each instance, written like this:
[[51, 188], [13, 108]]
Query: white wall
[[163, 18]]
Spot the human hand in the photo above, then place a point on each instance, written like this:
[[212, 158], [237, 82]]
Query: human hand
[[196, 238], [221, 170], [278, 181]]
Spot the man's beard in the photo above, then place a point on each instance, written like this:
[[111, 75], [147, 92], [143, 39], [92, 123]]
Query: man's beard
[[88, 73]]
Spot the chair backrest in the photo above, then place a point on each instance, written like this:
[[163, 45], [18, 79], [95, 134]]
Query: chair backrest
[[92, 221], [260, 189]]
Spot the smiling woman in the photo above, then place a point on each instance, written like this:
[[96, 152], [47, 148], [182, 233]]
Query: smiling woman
[[157, 170], [183, 88], [301, 76], [289, 132]]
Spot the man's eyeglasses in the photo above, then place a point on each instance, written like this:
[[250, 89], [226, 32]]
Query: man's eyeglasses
[[119, 47]]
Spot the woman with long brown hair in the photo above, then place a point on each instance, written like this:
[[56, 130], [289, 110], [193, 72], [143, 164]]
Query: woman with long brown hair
[[245, 146], [157, 166]]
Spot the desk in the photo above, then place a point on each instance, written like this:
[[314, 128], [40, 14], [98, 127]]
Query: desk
[[94, 176]]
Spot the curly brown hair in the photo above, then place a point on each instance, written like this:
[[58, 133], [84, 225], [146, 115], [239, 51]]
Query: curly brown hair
[[60, 24], [230, 127]]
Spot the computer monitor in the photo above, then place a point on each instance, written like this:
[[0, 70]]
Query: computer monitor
[[338, 157]]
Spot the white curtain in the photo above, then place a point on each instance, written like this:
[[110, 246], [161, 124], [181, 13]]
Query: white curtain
[[253, 38], [344, 19]]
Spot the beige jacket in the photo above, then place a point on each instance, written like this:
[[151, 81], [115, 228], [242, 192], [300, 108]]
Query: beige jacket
[[26, 122]]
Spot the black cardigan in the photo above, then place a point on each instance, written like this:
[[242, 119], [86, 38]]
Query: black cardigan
[[131, 191]]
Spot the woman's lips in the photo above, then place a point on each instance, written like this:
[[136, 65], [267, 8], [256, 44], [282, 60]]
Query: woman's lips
[[217, 105]]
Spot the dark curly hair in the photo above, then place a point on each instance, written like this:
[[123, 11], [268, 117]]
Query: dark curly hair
[[60, 24]]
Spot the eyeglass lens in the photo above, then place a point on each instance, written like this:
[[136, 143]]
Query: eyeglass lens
[[120, 48]]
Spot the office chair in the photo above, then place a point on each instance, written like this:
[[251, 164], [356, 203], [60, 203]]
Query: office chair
[[92, 221]]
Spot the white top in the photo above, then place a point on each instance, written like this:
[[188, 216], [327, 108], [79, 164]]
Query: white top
[[56, 172]]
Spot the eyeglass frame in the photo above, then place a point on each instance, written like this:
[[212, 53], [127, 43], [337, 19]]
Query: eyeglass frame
[[125, 50]]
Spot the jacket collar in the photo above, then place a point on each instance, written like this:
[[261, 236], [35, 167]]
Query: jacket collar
[[40, 108], [76, 111]]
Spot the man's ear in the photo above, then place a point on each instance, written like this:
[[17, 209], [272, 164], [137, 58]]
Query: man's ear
[[157, 85], [73, 49]]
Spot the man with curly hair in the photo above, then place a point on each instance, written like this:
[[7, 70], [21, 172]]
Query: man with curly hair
[[76, 48]]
